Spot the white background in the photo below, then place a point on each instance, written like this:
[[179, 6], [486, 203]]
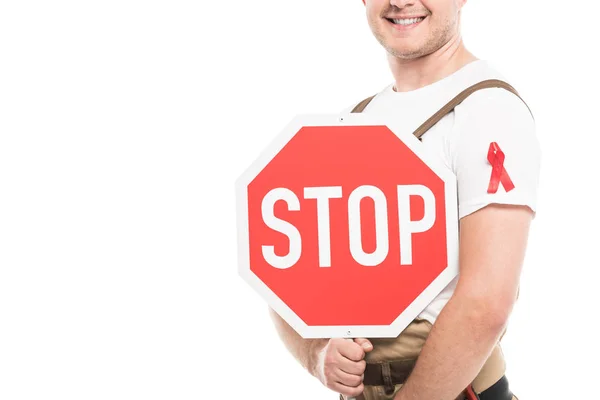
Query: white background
[[123, 126]]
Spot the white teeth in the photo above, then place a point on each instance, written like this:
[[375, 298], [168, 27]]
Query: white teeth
[[407, 21]]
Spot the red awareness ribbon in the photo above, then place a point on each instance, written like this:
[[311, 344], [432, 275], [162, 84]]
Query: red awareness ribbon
[[499, 174], [470, 393]]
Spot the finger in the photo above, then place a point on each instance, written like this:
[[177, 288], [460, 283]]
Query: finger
[[351, 351], [364, 343], [352, 367], [347, 390], [347, 379]]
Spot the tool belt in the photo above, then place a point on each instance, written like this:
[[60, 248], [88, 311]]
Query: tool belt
[[392, 360]]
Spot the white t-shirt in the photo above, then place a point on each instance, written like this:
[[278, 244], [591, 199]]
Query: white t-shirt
[[462, 140]]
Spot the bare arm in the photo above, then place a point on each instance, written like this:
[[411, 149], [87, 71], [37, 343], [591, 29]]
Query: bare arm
[[304, 350], [338, 363], [492, 248]]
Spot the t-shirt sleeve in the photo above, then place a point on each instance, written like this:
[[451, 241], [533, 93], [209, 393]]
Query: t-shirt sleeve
[[495, 116]]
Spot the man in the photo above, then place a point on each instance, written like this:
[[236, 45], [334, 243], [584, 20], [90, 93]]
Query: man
[[461, 328]]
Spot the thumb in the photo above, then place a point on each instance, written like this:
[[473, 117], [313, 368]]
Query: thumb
[[365, 344]]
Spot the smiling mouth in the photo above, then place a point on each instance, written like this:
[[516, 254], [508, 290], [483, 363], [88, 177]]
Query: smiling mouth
[[406, 21]]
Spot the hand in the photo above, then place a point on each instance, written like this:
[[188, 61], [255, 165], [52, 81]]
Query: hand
[[341, 365]]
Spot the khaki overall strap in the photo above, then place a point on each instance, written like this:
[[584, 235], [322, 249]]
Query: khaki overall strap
[[434, 119], [361, 106]]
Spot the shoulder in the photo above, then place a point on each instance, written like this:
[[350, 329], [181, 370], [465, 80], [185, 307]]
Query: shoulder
[[364, 102], [494, 102], [495, 105], [369, 99], [489, 115], [492, 115]]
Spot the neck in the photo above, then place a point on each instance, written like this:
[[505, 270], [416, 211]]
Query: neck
[[416, 73]]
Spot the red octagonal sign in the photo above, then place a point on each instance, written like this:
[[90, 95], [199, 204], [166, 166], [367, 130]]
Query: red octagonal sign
[[347, 227]]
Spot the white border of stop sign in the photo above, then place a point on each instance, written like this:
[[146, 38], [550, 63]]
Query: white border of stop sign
[[426, 296]]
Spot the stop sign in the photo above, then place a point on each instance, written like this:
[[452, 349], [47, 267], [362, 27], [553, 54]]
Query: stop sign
[[347, 227]]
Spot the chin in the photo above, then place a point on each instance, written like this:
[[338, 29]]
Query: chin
[[405, 52]]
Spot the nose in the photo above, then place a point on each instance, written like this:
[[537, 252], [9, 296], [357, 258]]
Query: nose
[[402, 3]]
